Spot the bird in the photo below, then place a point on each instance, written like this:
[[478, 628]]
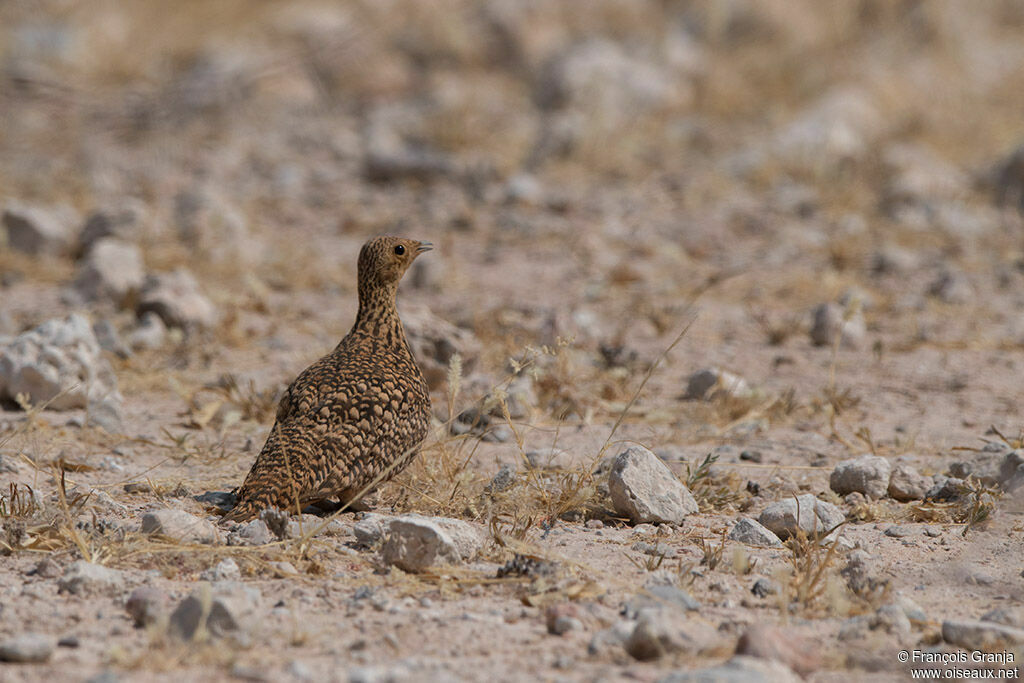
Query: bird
[[357, 416]]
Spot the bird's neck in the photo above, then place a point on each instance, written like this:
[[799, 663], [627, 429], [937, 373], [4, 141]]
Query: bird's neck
[[378, 316]]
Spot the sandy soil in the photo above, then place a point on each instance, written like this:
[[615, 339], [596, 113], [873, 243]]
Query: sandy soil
[[693, 208]]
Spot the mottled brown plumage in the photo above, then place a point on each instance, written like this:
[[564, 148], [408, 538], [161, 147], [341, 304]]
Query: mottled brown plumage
[[355, 417]]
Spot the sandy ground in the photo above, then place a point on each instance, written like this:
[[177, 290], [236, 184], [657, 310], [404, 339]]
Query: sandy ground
[[724, 212]]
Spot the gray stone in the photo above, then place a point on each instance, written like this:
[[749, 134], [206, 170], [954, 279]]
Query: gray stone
[[416, 543], [831, 322], [1011, 471], [945, 488], [710, 383], [85, 578], [763, 587], [371, 529], [254, 532], [218, 610], [26, 648], [660, 632], [906, 484], [147, 605], [644, 489], [561, 618], [37, 230], [225, 570], [739, 669], [123, 222], [899, 531], [60, 363], [892, 619], [149, 333], [181, 526], [112, 270], [867, 474], [981, 635], [177, 299], [1005, 616], [752, 532], [815, 516]]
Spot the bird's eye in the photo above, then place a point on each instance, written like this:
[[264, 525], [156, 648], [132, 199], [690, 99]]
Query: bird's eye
[[400, 249]]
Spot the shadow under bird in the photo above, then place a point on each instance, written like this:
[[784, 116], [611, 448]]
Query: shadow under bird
[[357, 416]]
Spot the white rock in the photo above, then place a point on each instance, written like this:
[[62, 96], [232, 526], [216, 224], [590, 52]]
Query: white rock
[[225, 570], [416, 543], [86, 578], [181, 526], [254, 532], [712, 382], [37, 230], [644, 489], [150, 333], [371, 528], [112, 270], [751, 532], [830, 321], [60, 362], [26, 648], [177, 299], [815, 516], [906, 484], [867, 474]]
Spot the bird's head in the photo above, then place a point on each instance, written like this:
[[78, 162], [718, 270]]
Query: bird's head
[[384, 260]]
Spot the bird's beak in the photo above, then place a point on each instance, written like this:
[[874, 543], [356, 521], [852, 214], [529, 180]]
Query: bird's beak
[[424, 246]]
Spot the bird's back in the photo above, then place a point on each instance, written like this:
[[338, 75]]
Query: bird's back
[[355, 416]]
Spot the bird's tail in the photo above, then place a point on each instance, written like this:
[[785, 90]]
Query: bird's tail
[[243, 511]]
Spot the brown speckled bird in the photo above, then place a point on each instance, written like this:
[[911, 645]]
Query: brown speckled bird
[[358, 414]]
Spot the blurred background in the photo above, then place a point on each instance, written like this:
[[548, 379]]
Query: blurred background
[[615, 154]]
